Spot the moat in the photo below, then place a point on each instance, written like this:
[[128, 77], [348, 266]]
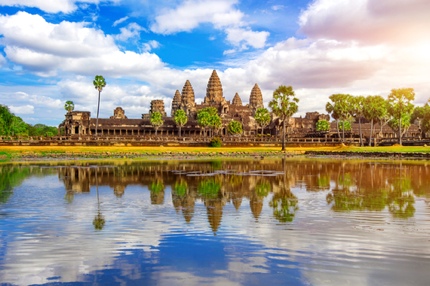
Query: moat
[[230, 222]]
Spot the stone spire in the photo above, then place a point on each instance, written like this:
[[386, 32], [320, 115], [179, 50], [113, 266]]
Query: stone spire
[[214, 93], [237, 100], [176, 102], [255, 99], [157, 105], [188, 103]]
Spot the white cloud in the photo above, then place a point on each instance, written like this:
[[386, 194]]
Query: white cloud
[[119, 21], [23, 109], [367, 21], [66, 39], [50, 6], [245, 37], [2, 60], [221, 14], [47, 48], [147, 47], [132, 30], [192, 13]]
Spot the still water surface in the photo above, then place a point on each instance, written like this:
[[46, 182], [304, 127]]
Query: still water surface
[[259, 222]]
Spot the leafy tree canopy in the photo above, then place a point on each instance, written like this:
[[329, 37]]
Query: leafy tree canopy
[[156, 119], [322, 125], [235, 127]]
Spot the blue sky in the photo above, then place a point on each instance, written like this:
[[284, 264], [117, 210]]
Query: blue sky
[[50, 51]]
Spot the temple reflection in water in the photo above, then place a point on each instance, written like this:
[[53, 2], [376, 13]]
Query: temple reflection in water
[[351, 186]]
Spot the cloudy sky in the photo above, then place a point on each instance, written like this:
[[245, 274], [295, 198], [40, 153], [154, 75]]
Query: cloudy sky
[[50, 51]]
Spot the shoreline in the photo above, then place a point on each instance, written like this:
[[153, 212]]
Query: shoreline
[[52, 153]]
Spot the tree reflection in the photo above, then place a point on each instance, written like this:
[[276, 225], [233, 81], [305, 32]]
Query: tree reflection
[[11, 177], [183, 199], [349, 185], [285, 205], [210, 191], [400, 198], [157, 192], [262, 189], [99, 220]]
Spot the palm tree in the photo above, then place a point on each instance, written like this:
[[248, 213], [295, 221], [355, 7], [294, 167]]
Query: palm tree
[[284, 105], [69, 106], [400, 106], [99, 83]]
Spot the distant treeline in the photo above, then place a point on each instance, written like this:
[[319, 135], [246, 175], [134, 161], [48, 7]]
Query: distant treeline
[[12, 125]]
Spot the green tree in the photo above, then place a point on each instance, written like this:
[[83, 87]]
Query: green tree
[[208, 117], [180, 118], [156, 120], [400, 107], [284, 105], [262, 116], [340, 110], [6, 119], [345, 125], [357, 111], [69, 106], [99, 83], [42, 130], [375, 109], [19, 127], [421, 115], [322, 125], [235, 127]]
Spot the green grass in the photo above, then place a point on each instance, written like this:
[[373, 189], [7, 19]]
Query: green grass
[[18, 153]]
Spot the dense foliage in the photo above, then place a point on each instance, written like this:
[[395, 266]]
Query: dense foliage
[[215, 142], [11, 125], [235, 127], [322, 125], [208, 118]]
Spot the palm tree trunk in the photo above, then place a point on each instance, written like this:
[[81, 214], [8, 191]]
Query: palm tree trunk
[[343, 131], [179, 131], [371, 133], [400, 130], [283, 135], [98, 108], [361, 135]]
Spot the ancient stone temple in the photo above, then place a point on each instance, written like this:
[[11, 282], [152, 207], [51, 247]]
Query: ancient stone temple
[[214, 95], [78, 124], [237, 100], [188, 103], [176, 103], [157, 105], [118, 113], [255, 99]]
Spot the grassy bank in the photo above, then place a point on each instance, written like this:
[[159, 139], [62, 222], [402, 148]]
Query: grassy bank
[[41, 153]]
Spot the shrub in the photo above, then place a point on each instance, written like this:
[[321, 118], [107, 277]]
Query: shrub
[[322, 125], [215, 142]]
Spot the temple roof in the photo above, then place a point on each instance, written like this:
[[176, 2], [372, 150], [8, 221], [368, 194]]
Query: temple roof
[[188, 93], [256, 98], [237, 100], [214, 93]]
